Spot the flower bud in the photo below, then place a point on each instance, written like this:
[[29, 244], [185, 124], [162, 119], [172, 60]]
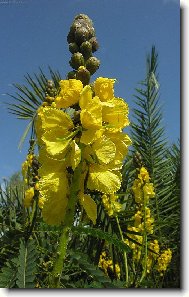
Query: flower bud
[[76, 60], [86, 49], [92, 64], [73, 47], [83, 75], [81, 35], [71, 75], [94, 43], [70, 37]]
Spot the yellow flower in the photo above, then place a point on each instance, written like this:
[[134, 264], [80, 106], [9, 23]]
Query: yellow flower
[[104, 150], [54, 190], [104, 180], [89, 136], [91, 110], [24, 168], [49, 118], [111, 205], [138, 193], [106, 264], [69, 93], [163, 261], [41, 202], [29, 194], [57, 142], [104, 88], [122, 142], [144, 175], [138, 218], [89, 206], [148, 190], [115, 114]]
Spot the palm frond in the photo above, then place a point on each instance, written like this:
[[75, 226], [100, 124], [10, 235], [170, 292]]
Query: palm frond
[[30, 96]]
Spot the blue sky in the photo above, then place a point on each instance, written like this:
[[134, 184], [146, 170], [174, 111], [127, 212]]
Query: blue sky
[[33, 34]]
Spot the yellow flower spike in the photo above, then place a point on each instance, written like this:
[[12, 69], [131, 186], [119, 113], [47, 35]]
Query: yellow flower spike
[[89, 206], [104, 180], [29, 194], [75, 155], [69, 93], [104, 88]]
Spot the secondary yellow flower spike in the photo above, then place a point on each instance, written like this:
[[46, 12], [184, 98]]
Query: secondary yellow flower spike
[[93, 135]]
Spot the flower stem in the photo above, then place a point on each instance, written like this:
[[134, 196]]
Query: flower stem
[[124, 254], [68, 221]]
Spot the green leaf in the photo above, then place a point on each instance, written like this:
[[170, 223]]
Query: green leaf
[[27, 265]]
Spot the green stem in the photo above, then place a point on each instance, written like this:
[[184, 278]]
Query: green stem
[[68, 219], [124, 254], [145, 244]]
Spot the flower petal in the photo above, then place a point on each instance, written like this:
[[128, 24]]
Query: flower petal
[[85, 97], [103, 180], [104, 88], [89, 206], [54, 190], [69, 93], [104, 149], [56, 141], [115, 114], [89, 136]]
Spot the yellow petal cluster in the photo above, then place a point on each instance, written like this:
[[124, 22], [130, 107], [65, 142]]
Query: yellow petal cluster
[[111, 205], [93, 135], [26, 165], [164, 260], [106, 264], [142, 188], [69, 93], [28, 199]]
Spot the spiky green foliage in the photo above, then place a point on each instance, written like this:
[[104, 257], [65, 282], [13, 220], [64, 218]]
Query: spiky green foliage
[[12, 217], [30, 96], [8, 274]]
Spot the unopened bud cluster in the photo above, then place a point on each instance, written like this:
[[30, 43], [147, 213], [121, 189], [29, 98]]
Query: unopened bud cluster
[[50, 93], [82, 44], [30, 174]]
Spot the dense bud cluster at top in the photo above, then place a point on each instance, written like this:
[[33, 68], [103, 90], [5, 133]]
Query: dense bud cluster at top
[[82, 44]]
